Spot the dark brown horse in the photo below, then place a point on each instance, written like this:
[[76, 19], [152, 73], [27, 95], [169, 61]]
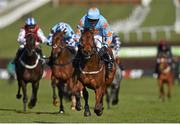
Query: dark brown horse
[[165, 76], [29, 68], [62, 57], [92, 72]]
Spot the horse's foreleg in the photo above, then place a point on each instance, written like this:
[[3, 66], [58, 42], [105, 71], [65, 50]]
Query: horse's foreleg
[[115, 93], [73, 102], [86, 106], [35, 87], [161, 88], [18, 96], [170, 83], [99, 101], [25, 99], [108, 96], [53, 85], [60, 92], [75, 87]]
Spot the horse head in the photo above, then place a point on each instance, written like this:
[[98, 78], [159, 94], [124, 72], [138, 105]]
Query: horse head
[[30, 43], [58, 44], [87, 43], [164, 64]]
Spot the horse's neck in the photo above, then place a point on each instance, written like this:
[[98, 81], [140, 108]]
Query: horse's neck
[[93, 62], [65, 57], [29, 59]]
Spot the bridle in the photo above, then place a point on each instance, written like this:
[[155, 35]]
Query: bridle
[[83, 41]]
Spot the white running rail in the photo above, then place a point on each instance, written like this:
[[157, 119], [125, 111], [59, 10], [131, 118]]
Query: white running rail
[[20, 11]]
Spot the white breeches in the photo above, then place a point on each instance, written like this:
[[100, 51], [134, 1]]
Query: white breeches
[[98, 41]]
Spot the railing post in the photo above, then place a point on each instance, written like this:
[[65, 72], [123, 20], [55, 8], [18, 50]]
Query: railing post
[[126, 36], [153, 34], [139, 35]]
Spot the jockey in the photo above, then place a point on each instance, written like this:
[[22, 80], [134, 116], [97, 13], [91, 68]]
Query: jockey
[[69, 35], [162, 49], [94, 21], [115, 44], [30, 27]]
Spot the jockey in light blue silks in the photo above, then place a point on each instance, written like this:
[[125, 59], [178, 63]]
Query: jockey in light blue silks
[[103, 34], [69, 35]]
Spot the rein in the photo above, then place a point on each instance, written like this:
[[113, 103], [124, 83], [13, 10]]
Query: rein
[[63, 64], [29, 66], [90, 72]]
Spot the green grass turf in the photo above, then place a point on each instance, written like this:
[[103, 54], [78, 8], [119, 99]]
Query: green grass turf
[[162, 13], [138, 103]]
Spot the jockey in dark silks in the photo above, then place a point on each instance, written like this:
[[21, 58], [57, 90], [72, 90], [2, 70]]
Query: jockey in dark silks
[[30, 27], [163, 48]]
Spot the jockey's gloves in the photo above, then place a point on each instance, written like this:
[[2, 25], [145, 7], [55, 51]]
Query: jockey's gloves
[[105, 45], [21, 46]]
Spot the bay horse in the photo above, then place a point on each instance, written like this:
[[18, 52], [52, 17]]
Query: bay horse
[[165, 76], [92, 72], [62, 57], [112, 94], [29, 68]]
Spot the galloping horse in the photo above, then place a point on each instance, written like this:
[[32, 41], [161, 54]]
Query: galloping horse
[[62, 57], [92, 72], [165, 76], [113, 89], [29, 68]]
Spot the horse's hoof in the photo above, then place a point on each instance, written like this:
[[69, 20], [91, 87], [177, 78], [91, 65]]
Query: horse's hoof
[[18, 96], [61, 111], [73, 108], [31, 104], [87, 113], [114, 102], [55, 103], [78, 107], [98, 112]]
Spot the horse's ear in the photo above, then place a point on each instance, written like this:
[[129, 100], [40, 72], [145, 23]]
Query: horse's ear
[[64, 31]]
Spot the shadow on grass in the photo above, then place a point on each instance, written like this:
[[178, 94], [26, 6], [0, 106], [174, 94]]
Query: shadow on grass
[[27, 112]]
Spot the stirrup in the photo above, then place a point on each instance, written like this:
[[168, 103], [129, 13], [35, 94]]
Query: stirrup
[[110, 66], [43, 60]]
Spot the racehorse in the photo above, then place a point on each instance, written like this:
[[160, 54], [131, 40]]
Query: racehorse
[[29, 68], [165, 76], [62, 57], [92, 72], [113, 89]]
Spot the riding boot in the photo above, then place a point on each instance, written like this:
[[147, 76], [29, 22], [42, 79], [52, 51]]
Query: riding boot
[[39, 51], [156, 72], [73, 50], [18, 54], [106, 57], [109, 61]]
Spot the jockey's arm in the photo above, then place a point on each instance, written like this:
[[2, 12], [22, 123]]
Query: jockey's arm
[[21, 37], [70, 37], [80, 28], [107, 33], [53, 30], [42, 36]]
